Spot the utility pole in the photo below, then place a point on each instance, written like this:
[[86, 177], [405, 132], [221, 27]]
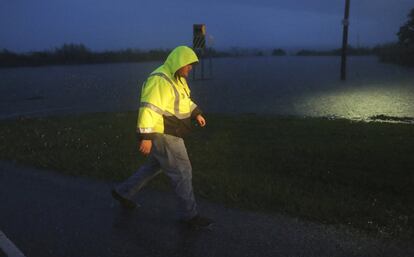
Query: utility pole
[[345, 22]]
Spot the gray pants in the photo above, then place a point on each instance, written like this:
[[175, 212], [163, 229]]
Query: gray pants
[[168, 154]]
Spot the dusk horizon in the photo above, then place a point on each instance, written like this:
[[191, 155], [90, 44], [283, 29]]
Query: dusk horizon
[[26, 26]]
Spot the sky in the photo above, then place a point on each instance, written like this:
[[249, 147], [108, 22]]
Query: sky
[[36, 25]]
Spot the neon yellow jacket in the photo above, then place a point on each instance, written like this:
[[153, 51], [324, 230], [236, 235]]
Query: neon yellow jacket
[[166, 106]]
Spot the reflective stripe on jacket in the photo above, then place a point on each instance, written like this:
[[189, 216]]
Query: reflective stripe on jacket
[[166, 106]]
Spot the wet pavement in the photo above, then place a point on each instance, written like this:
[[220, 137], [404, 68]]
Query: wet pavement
[[46, 214]]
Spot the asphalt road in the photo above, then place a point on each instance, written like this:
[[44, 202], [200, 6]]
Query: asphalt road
[[45, 214]]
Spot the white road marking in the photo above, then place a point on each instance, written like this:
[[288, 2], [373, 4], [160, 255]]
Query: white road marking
[[8, 247]]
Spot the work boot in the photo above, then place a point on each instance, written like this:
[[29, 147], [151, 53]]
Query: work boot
[[198, 222], [125, 202]]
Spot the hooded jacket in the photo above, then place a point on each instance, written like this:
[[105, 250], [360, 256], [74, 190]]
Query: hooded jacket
[[166, 106]]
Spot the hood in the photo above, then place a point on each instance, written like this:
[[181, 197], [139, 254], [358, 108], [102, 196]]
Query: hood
[[179, 57]]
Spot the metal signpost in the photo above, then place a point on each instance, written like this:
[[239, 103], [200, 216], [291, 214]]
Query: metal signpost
[[199, 46]]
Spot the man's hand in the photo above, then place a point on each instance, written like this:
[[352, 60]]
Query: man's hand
[[145, 147], [201, 121]]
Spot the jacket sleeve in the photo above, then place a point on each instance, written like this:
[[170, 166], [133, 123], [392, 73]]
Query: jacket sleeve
[[155, 96], [195, 110]]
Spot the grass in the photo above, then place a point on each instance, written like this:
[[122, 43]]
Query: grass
[[331, 171]]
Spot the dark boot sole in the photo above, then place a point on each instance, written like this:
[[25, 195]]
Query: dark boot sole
[[125, 203]]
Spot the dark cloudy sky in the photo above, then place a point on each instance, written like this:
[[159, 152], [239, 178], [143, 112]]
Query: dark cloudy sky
[[27, 25]]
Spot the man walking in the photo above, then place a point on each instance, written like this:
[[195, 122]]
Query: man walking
[[164, 118]]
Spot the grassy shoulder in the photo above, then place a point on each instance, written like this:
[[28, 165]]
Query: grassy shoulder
[[331, 171]]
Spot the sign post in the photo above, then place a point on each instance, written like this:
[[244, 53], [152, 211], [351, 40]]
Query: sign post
[[199, 46]]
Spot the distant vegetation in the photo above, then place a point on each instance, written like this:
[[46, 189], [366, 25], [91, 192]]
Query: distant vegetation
[[80, 54], [77, 54], [359, 51], [241, 52], [278, 52]]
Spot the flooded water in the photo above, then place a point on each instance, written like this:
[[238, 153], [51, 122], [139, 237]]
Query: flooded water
[[303, 86]]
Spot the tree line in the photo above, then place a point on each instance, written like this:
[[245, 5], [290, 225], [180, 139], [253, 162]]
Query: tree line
[[72, 54], [78, 54]]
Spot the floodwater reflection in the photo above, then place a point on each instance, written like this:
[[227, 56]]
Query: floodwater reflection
[[359, 103], [302, 86]]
